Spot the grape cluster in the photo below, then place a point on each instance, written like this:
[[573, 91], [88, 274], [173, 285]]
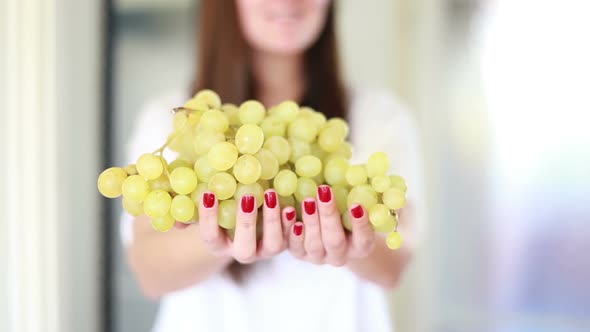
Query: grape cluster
[[232, 151]]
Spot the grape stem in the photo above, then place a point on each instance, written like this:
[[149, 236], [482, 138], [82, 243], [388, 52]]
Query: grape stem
[[160, 151]]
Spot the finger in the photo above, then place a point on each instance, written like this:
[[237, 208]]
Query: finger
[[214, 238], [244, 245], [288, 218], [272, 236], [314, 248], [296, 238], [180, 225], [333, 237], [363, 235]]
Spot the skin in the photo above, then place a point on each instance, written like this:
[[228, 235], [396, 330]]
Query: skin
[[278, 32]]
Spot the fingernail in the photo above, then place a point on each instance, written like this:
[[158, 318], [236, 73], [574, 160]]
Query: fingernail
[[208, 200], [357, 212], [324, 193], [247, 203], [290, 215], [298, 229], [271, 199], [309, 207]]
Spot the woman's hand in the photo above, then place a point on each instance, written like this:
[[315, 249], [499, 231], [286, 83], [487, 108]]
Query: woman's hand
[[244, 247], [320, 238]]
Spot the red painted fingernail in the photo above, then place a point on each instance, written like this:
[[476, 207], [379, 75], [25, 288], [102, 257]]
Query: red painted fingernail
[[357, 212], [324, 193], [248, 203], [298, 229], [290, 215], [271, 199], [208, 200], [309, 207]]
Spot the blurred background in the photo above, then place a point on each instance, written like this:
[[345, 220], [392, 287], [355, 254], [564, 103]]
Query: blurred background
[[500, 89]]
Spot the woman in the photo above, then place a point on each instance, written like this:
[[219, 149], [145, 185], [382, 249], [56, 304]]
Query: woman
[[306, 275]]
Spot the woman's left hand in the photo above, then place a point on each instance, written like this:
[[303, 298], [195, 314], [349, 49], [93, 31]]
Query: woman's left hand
[[320, 238]]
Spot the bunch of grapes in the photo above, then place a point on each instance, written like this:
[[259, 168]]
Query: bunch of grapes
[[233, 151]]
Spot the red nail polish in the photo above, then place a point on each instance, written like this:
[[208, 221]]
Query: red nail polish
[[248, 203], [324, 193], [208, 200], [271, 199], [298, 229], [309, 207], [357, 212], [290, 215]]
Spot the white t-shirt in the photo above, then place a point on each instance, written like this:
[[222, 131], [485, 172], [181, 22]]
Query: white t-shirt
[[285, 294]]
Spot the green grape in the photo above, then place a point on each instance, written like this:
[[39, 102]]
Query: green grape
[[398, 182], [346, 221], [286, 111], [273, 126], [110, 182], [203, 170], [306, 188], [157, 203], [133, 208], [223, 185], [205, 139], [356, 175], [340, 195], [308, 166], [285, 201], [130, 169], [317, 151], [364, 195], [299, 149], [394, 198], [197, 194], [195, 117], [254, 189], [231, 233], [340, 125], [378, 164], [280, 147], [179, 120], [184, 145], [305, 112], [285, 182], [214, 119], [231, 111], [222, 156], [179, 163], [226, 217], [303, 129], [160, 183], [163, 223], [210, 97], [394, 240], [381, 183], [319, 178], [252, 112], [150, 166], [319, 119], [388, 226], [265, 184], [135, 188], [344, 151], [249, 139], [182, 208], [330, 139], [183, 180], [335, 171], [247, 169], [268, 162], [380, 216], [196, 104]]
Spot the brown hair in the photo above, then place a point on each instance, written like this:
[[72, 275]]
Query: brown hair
[[224, 66]]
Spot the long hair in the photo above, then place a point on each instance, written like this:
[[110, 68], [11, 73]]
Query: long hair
[[224, 65]]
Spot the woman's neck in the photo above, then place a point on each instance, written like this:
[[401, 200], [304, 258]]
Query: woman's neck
[[278, 78]]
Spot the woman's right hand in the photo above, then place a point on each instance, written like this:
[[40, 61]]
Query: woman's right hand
[[244, 248]]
